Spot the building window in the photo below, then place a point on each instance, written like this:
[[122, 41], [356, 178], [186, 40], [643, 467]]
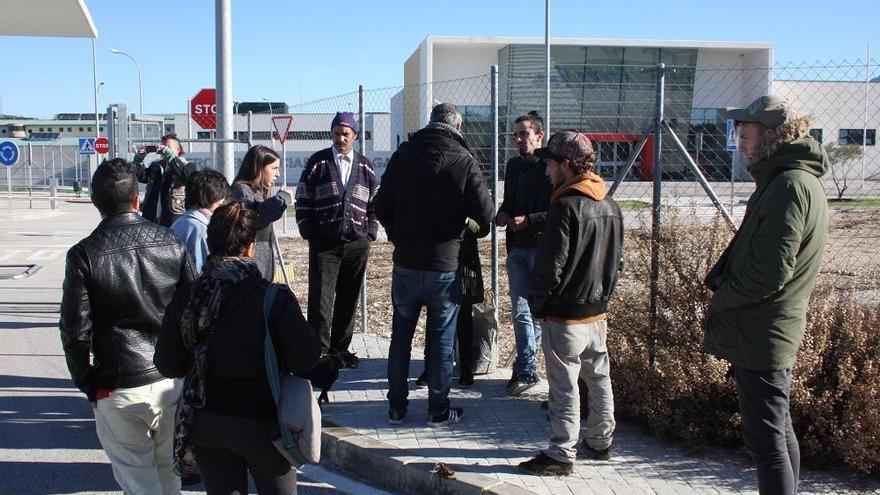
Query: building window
[[89, 129], [41, 129], [80, 129], [70, 129], [816, 134], [203, 135], [855, 136]]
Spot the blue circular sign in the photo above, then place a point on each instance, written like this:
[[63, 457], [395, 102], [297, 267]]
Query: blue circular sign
[[8, 153]]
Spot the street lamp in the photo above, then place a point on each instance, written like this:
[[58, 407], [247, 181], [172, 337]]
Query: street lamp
[[140, 75], [100, 85]]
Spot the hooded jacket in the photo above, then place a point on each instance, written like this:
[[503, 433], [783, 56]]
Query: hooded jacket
[[431, 184], [763, 280], [579, 255]]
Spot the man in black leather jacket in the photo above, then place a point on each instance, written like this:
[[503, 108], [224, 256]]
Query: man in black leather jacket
[[575, 273], [117, 283]]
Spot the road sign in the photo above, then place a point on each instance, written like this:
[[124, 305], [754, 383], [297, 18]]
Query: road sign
[[203, 108], [86, 146], [732, 138], [8, 153], [282, 126], [102, 145]]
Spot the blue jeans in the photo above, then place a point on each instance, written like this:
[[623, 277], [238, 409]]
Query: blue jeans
[[440, 292], [526, 330]]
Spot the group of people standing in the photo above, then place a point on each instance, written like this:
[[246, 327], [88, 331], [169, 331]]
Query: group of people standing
[[178, 291]]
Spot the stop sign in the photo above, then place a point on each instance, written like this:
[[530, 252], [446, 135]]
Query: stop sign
[[203, 108], [102, 145]]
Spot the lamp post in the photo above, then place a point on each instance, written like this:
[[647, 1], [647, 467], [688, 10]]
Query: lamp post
[[140, 74]]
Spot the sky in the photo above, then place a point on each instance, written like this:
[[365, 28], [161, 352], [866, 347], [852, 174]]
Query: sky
[[295, 50]]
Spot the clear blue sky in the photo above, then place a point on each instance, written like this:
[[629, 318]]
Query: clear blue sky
[[329, 47]]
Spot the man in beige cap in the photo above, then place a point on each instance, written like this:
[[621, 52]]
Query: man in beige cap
[[763, 280], [575, 272]]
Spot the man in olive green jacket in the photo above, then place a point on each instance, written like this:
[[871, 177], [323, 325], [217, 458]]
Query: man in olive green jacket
[[763, 280]]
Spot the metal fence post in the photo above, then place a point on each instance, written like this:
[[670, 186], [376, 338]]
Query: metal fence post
[[30, 176], [250, 123], [493, 81], [362, 143], [657, 173]]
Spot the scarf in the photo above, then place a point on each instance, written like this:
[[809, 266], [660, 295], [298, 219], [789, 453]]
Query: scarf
[[588, 183], [197, 324]]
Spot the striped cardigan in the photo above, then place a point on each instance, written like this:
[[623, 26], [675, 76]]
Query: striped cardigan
[[326, 210]]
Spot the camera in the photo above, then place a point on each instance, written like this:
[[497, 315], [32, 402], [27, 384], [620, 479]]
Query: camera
[[151, 148]]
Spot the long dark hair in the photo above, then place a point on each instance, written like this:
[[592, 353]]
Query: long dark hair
[[232, 229], [251, 169]]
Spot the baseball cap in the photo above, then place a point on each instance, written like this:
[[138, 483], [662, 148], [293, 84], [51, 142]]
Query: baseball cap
[[771, 111], [571, 145], [345, 118]]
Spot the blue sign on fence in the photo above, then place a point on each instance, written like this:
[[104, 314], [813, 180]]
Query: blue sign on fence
[[86, 146], [732, 138], [8, 153]]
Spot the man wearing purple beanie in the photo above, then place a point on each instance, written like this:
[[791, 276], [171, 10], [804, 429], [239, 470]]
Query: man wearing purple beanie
[[334, 212]]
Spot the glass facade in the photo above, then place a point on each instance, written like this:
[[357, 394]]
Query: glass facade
[[596, 89]]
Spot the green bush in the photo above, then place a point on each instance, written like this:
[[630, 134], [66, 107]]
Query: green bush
[[690, 396]]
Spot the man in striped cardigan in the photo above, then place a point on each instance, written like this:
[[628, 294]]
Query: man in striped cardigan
[[334, 212]]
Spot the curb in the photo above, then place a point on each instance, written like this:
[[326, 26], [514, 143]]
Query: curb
[[398, 469]]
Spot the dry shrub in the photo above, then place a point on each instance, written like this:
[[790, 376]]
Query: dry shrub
[[690, 396]]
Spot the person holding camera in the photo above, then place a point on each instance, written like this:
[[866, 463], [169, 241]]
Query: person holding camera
[[165, 199]]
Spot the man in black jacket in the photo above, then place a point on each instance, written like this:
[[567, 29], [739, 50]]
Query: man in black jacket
[[431, 186], [117, 283], [574, 277], [165, 198], [526, 197]]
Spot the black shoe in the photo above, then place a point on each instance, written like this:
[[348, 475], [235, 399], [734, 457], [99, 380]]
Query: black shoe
[[599, 455], [512, 379], [452, 415], [523, 383], [422, 380], [466, 380], [396, 417], [349, 359], [544, 465]]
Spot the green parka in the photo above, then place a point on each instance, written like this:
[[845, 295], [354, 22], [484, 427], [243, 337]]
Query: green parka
[[764, 278]]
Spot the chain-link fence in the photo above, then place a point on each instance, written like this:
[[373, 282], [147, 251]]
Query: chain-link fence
[[620, 107]]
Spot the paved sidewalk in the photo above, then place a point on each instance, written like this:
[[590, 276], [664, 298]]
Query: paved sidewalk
[[497, 432]]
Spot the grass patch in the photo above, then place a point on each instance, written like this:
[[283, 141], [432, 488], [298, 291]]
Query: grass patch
[[856, 202]]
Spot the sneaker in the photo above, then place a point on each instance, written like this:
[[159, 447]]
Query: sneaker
[[544, 465], [599, 455], [452, 415], [422, 380], [396, 417], [512, 379], [523, 383]]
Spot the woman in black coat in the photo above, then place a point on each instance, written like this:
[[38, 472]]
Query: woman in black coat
[[253, 185], [213, 334]]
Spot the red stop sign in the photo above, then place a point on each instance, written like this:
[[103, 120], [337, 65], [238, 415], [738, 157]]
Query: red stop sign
[[102, 145], [203, 108]]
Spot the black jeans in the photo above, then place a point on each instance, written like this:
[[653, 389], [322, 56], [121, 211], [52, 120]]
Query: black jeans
[[336, 273], [228, 447], [766, 428]]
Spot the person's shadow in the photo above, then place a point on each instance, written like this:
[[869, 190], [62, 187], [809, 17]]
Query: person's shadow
[[50, 427]]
